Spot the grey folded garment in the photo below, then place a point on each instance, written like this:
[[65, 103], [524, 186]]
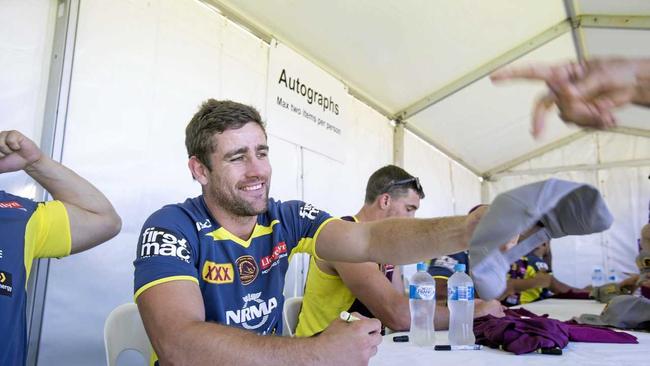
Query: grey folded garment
[[558, 207], [607, 292], [623, 311]]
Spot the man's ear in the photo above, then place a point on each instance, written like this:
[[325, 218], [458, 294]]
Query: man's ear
[[384, 201], [199, 171]]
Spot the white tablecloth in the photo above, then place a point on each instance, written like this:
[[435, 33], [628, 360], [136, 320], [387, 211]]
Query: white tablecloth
[[396, 354]]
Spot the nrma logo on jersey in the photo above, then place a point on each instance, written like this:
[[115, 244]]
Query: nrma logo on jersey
[[254, 313], [157, 241]]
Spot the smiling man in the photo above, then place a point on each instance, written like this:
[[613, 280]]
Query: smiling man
[[209, 272]]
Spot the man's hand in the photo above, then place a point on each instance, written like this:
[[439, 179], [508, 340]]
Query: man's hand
[[17, 151], [351, 343], [492, 307], [585, 93]]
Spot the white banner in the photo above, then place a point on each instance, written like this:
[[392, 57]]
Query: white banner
[[305, 105]]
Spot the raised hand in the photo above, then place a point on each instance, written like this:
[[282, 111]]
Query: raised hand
[[17, 151], [585, 93]]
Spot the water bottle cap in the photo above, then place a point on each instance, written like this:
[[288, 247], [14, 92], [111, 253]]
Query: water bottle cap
[[459, 267], [422, 267]]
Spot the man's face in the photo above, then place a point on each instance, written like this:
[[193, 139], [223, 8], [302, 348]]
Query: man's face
[[404, 206], [241, 172]]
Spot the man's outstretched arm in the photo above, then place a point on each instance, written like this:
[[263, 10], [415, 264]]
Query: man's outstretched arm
[[397, 241], [93, 219]]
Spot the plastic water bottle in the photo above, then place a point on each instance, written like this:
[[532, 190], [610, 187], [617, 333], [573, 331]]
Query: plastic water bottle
[[422, 303], [460, 299], [612, 277], [597, 277]]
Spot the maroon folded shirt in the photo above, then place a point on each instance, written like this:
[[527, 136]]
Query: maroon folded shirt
[[522, 331], [571, 294]]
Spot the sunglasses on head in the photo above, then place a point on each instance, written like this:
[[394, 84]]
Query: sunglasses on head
[[414, 182]]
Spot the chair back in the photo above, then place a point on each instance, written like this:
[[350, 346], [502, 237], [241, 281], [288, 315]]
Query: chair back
[[290, 313], [123, 330]]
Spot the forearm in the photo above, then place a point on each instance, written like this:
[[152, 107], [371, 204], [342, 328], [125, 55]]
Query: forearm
[[441, 319], [92, 218], [401, 319], [403, 241], [202, 343], [642, 92], [560, 287], [519, 285], [66, 186]]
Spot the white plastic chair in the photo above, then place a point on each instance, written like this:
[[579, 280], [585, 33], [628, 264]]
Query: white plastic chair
[[123, 330], [290, 313]]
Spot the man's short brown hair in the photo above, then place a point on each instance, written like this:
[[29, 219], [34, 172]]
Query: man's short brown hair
[[393, 180], [216, 116]]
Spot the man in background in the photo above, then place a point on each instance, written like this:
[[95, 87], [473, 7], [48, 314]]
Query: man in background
[[371, 289]]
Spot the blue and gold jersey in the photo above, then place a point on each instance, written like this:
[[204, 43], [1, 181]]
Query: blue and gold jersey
[[241, 281], [525, 268], [29, 230]]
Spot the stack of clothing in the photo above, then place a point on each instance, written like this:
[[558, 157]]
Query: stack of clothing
[[522, 331]]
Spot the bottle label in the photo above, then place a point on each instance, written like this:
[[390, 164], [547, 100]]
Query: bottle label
[[422, 292], [460, 293]]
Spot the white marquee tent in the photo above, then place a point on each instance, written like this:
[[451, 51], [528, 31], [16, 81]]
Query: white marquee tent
[[108, 86]]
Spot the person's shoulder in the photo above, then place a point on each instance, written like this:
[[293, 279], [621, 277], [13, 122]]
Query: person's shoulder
[[294, 211]]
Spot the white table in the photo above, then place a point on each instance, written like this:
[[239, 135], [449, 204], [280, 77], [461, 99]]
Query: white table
[[396, 354]]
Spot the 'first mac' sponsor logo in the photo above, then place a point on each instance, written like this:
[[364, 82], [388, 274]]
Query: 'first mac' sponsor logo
[[217, 272], [157, 241], [6, 287]]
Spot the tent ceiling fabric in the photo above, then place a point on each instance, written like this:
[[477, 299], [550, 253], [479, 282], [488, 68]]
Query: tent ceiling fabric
[[626, 7], [496, 128], [394, 54]]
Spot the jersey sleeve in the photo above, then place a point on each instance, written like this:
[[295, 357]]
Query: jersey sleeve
[[305, 223], [47, 234], [167, 250]]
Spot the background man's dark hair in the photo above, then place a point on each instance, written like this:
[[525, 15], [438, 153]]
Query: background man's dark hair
[[216, 116], [384, 179]]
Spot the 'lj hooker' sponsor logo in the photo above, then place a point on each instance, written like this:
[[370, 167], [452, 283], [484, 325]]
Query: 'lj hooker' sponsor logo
[[6, 287], [12, 204], [217, 272], [279, 251], [252, 316]]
